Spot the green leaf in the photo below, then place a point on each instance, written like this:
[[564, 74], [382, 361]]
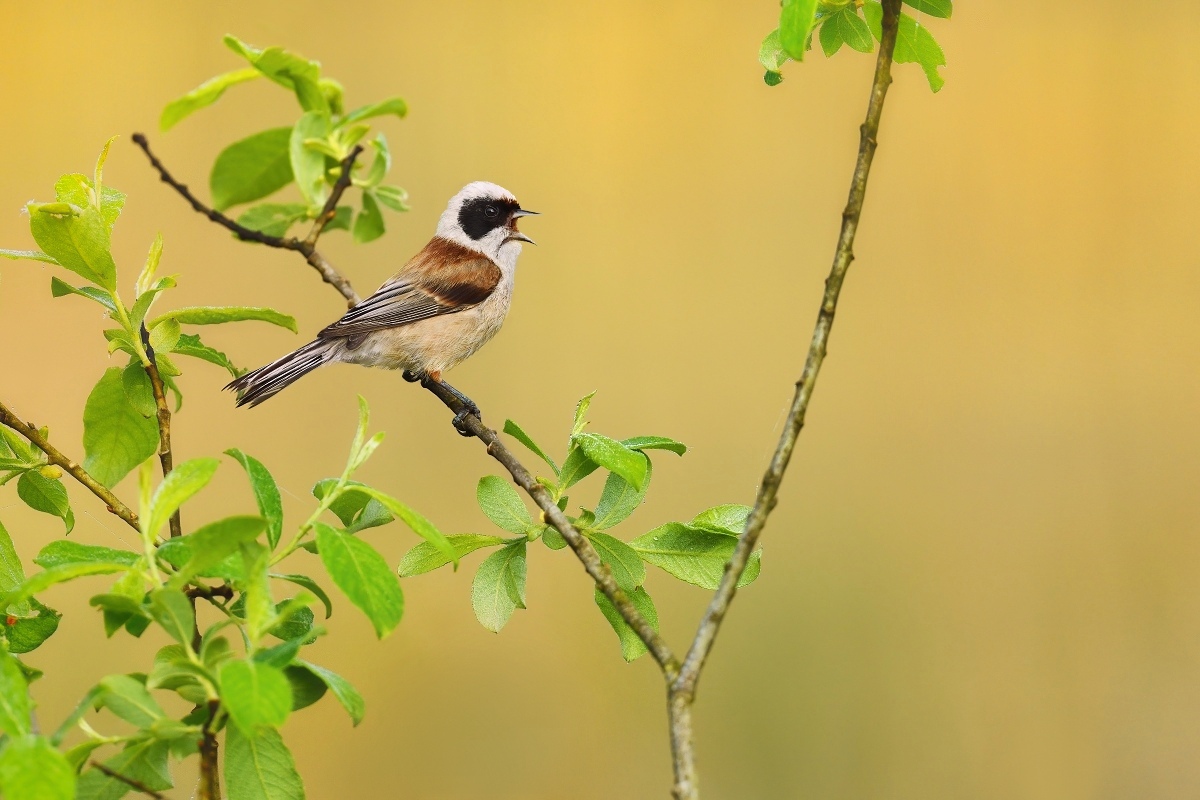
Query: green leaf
[[266, 493], [795, 24], [260, 767], [581, 409], [213, 543], [514, 430], [311, 585], [393, 105], [12, 573], [203, 95], [502, 505], [254, 167], [31, 769], [14, 697], [627, 568], [615, 457], [381, 164], [60, 288], [179, 485], [175, 672], [771, 53], [215, 315], [273, 219], [127, 697], [426, 558], [655, 443], [190, 345], [79, 242], [29, 255], [632, 646], [915, 44], [345, 693], [143, 760], [692, 555], [116, 438], [499, 586], [43, 494], [852, 29], [306, 687], [44, 580], [576, 467], [164, 335], [415, 521], [138, 390], [308, 165], [368, 225], [172, 610], [63, 553], [936, 8], [619, 499], [364, 576], [393, 197], [146, 276], [728, 519], [831, 35], [260, 607], [28, 632], [256, 695]]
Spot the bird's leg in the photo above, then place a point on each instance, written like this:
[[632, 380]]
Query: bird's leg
[[469, 407]]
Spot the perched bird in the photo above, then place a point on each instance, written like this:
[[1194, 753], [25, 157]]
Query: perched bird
[[441, 307]]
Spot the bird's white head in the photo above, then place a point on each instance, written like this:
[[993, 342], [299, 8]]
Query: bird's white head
[[483, 217]]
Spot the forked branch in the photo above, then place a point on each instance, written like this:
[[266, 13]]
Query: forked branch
[[307, 246]]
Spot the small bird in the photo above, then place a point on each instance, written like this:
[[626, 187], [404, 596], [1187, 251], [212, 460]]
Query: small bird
[[444, 304]]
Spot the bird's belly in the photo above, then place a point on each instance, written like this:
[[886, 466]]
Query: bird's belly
[[430, 345]]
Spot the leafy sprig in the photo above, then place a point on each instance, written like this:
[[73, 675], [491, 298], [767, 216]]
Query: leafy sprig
[[853, 23]]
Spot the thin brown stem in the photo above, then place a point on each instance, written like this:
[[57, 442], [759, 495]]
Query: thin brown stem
[[306, 247], [130, 782], [683, 688], [165, 457], [55, 456]]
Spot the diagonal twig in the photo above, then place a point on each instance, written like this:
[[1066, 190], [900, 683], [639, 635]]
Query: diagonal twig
[[683, 689], [131, 782], [30, 432], [554, 516], [307, 246]]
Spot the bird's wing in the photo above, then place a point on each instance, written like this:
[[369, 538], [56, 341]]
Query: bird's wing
[[443, 278]]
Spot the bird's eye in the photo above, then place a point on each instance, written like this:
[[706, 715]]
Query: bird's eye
[[491, 212]]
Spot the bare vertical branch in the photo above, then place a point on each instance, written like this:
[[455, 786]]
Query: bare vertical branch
[[683, 688]]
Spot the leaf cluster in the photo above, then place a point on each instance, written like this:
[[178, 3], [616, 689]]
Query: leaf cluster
[[857, 24], [306, 153], [694, 552]]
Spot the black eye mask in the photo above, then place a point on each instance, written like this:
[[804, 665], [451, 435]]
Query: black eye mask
[[481, 216]]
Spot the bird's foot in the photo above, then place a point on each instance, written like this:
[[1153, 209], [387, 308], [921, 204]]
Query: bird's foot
[[410, 376], [460, 421]]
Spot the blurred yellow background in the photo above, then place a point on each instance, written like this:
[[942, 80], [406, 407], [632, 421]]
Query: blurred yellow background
[[982, 578]]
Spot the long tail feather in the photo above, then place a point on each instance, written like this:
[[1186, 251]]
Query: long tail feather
[[265, 382]]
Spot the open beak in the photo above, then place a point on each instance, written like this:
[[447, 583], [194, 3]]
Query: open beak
[[515, 235]]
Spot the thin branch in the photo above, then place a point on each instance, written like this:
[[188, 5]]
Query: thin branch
[[165, 457], [683, 688], [306, 247], [30, 432], [125, 779], [553, 515]]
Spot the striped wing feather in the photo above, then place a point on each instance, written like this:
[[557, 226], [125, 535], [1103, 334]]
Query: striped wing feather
[[443, 278]]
